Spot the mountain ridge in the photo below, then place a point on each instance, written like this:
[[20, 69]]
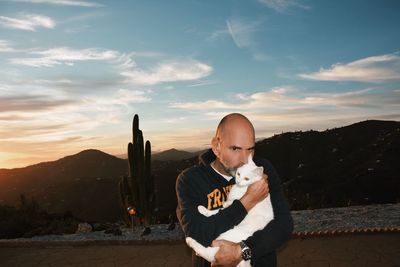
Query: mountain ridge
[[354, 164]]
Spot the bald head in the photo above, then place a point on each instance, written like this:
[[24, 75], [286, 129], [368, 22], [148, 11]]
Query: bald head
[[234, 141], [234, 121]]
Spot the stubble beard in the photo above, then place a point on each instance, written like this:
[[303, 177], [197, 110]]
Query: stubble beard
[[229, 170]]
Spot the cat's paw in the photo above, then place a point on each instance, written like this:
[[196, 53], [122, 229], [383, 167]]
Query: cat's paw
[[189, 241], [203, 210]]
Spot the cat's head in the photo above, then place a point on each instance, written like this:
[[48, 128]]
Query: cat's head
[[248, 173]]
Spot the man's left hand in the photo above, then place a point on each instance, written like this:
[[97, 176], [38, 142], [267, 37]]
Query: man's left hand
[[229, 253]]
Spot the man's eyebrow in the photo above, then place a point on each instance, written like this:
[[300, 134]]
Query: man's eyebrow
[[238, 147]]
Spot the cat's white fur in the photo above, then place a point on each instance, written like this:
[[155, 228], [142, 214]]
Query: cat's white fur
[[256, 219]]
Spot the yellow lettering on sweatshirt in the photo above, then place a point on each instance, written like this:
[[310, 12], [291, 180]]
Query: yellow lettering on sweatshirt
[[216, 198]]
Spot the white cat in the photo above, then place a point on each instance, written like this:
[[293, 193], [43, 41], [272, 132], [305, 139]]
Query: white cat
[[256, 219]]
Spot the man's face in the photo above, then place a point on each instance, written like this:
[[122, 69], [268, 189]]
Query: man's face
[[235, 146]]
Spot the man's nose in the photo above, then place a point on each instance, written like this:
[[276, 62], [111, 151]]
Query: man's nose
[[244, 156]]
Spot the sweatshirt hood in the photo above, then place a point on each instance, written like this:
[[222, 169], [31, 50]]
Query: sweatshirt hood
[[207, 157]]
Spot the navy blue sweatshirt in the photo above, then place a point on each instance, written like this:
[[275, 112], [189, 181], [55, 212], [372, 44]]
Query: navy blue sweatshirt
[[201, 185]]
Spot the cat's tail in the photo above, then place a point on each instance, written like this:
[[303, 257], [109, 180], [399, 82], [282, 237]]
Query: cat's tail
[[207, 253]]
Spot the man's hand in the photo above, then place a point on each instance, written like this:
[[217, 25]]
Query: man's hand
[[229, 253], [255, 193]]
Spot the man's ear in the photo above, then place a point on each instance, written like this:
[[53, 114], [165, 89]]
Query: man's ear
[[215, 146]]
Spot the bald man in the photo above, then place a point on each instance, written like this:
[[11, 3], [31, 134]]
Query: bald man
[[208, 184]]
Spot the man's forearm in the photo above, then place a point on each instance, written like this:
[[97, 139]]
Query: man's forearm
[[206, 229]]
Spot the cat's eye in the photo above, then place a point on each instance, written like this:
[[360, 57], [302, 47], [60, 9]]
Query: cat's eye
[[246, 178]]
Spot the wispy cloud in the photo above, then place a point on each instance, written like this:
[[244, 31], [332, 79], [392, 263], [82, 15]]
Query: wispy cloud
[[245, 33], [274, 112], [30, 103], [64, 55], [61, 2], [284, 99], [203, 83], [165, 72], [43, 118], [217, 34], [206, 105], [283, 6], [6, 46], [122, 97], [370, 69], [242, 31], [27, 22]]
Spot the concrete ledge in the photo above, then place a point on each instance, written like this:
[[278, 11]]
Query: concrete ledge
[[79, 243]]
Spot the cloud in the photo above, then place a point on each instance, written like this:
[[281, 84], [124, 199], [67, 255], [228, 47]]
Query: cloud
[[30, 103], [64, 55], [27, 22], [246, 33], [53, 114], [5, 46], [61, 2], [217, 34], [165, 72], [274, 98], [203, 83], [283, 6], [284, 99], [122, 97], [242, 31], [203, 105], [371, 69], [171, 71]]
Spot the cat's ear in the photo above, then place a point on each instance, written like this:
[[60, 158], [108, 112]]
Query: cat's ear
[[258, 171], [250, 159]]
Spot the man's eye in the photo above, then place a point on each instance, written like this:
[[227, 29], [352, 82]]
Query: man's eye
[[235, 148]]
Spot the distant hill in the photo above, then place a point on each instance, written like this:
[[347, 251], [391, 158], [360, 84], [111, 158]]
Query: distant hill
[[173, 155], [168, 155], [355, 164], [84, 183], [352, 165]]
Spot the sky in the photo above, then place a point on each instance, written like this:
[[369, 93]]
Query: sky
[[74, 73]]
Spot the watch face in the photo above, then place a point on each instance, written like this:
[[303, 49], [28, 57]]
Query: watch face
[[246, 251], [246, 254]]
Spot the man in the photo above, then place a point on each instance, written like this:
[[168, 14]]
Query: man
[[208, 184]]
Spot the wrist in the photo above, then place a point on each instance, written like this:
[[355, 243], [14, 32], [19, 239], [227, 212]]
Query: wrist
[[245, 251], [247, 204], [238, 252]]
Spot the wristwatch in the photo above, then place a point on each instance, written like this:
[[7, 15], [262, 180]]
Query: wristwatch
[[246, 251]]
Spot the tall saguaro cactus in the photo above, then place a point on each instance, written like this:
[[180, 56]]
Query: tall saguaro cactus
[[137, 189]]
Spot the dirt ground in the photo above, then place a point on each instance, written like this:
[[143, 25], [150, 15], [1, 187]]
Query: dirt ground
[[381, 249]]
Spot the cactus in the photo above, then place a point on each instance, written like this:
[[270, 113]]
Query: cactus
[[137, 189]]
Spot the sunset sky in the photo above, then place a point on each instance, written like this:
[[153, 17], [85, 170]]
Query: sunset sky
[[73, 73]]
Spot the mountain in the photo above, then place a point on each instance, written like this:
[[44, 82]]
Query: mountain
[[173, 155], [84, 183], [351, 165]]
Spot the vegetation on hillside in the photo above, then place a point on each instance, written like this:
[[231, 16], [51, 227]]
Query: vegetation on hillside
[[27, 219]]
